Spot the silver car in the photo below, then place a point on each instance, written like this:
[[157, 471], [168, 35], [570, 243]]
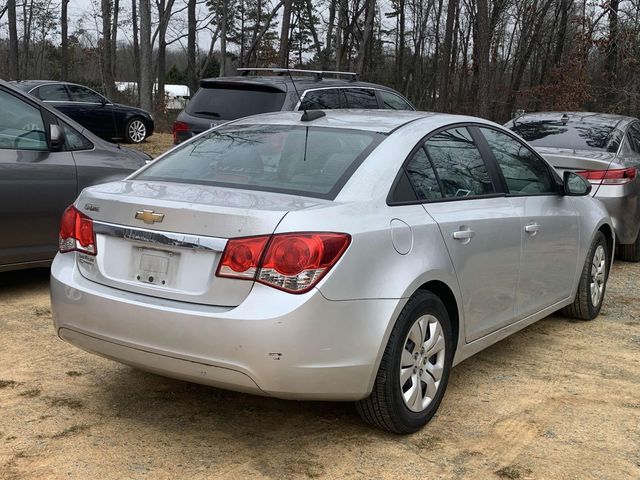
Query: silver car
[[605, 149], [346, 255]]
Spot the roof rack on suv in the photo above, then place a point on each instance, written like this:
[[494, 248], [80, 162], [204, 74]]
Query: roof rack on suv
[[318, 74]]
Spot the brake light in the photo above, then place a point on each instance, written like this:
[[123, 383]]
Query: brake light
[[610, 177], [76, 232], [293, 262], [179, 127]]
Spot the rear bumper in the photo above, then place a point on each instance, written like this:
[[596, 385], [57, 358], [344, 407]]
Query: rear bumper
[[274, 343], [623, 205]]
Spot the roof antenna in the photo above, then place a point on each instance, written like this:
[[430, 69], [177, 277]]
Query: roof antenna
[[306, 116]]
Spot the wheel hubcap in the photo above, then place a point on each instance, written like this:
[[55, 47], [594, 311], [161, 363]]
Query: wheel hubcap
[[422, 363], [598, 270], [137, 131]]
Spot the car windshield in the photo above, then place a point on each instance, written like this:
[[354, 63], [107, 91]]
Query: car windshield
[[585, 134], [309, 161], [230, 103]]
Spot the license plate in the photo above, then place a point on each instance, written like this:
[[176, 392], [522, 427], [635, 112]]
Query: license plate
[[156, 266]]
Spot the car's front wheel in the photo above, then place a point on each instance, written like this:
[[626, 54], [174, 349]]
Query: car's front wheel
[[415, 367], [136, 130], [593, 282]]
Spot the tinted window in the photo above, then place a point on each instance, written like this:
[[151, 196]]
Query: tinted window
[[74, 140], [423, 177], [53, 93], [524, 172], [458, 163], [83, 94], [231, 103], [322, 99], [361, 98], [21, 125], [392, 101], [584, 133], [633, 138], [311, 161]]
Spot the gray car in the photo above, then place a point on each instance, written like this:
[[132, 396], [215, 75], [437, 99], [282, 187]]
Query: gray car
[[46, 159], [605, 149], [350, 256]]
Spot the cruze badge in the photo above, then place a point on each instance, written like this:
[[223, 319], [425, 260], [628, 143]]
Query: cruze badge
[[149, 216]]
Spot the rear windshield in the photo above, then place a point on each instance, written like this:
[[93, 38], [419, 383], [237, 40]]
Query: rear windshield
[[309, 161], [571, 135], [229, 103]]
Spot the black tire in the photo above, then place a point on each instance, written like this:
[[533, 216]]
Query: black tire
[[629, 252], [582, 307], [132, 136], [385, 407]]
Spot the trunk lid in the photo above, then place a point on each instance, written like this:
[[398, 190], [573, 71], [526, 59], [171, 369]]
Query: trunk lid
[[173, 248], [578, 160]]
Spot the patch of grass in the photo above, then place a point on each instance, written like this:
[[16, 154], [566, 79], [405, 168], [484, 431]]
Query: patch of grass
[[72, 430], [155, 145], [513, 472], [73, 373], [40, 311], [427, 442], [66, 402], [7, 383], [31, 393]]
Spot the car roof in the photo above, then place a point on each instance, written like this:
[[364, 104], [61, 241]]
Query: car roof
[[381, 121], [604, 119], [282, 82], [27, 85]]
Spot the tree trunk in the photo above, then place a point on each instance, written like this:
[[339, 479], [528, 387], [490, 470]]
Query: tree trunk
[[145, 55], [342, 13], [64, 47], [136, 47], [562, 31], [224, 23], [328, 42], [14, 71], [611, 63], [283, 57], [366, 34], [447, 64], [481, 58], [192, 75], [107, 67], [114, 37]]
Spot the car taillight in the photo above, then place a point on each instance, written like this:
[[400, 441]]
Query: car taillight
[[610, 177], [76, 232], [179, 127], [293, 262]]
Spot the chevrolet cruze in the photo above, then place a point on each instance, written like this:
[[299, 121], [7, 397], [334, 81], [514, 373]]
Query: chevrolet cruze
[[338, 255]]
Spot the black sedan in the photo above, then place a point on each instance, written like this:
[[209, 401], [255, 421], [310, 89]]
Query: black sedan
[[108, 120]]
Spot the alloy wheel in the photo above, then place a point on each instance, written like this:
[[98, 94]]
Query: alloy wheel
[[137, 131], [598, 270]]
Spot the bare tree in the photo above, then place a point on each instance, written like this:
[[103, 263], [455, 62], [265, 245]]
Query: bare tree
[[145, 55], [283, 56], [14, 72]]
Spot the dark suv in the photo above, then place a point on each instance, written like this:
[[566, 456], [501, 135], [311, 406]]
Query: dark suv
[[219, 100]]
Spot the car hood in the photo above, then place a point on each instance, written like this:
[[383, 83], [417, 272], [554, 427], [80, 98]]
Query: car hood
[[570, 159], [132, 109]]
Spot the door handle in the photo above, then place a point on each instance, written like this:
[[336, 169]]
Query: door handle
[[532, 228], [463, 234]]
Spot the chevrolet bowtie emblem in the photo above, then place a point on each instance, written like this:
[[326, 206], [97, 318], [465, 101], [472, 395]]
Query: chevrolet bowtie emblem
[[149, 216]]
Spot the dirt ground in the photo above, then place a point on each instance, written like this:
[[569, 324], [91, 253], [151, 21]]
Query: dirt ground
[[559, 400], [155, 145]]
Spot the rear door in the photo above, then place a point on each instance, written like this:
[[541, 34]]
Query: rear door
[[549, 224], [36, 185], [361, 98], [480, 227]]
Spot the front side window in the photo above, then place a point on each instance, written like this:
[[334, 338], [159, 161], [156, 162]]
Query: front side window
[[74, 140], [310, 161], [21, 125], [52, 93], [361, 98], [324, 99], [458, 163], [524, 172], [391, 101], [82, 94]]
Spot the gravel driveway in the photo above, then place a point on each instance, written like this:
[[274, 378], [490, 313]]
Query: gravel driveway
[[560, 399]]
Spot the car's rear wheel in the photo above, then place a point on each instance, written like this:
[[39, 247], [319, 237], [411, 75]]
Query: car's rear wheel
[[593, 282], [630, 252], [414, 370], [136, 130]]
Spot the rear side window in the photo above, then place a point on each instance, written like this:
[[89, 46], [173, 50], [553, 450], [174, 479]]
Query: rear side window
[[82, 94], [325, 99], [423, 176], [229, 103], [524, 172], [361, 98], [52, 93], [310, 161], [391, 101], [458, 163]]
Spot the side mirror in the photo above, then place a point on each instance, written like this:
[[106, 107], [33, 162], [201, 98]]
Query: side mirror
[[56, 137], [575, 185], [103, 101]]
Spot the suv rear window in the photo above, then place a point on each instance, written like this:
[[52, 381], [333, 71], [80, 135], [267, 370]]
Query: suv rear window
[[229, 102], [309, 161]]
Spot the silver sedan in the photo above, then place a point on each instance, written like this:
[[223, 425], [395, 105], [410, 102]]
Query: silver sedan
[[335, 256]]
